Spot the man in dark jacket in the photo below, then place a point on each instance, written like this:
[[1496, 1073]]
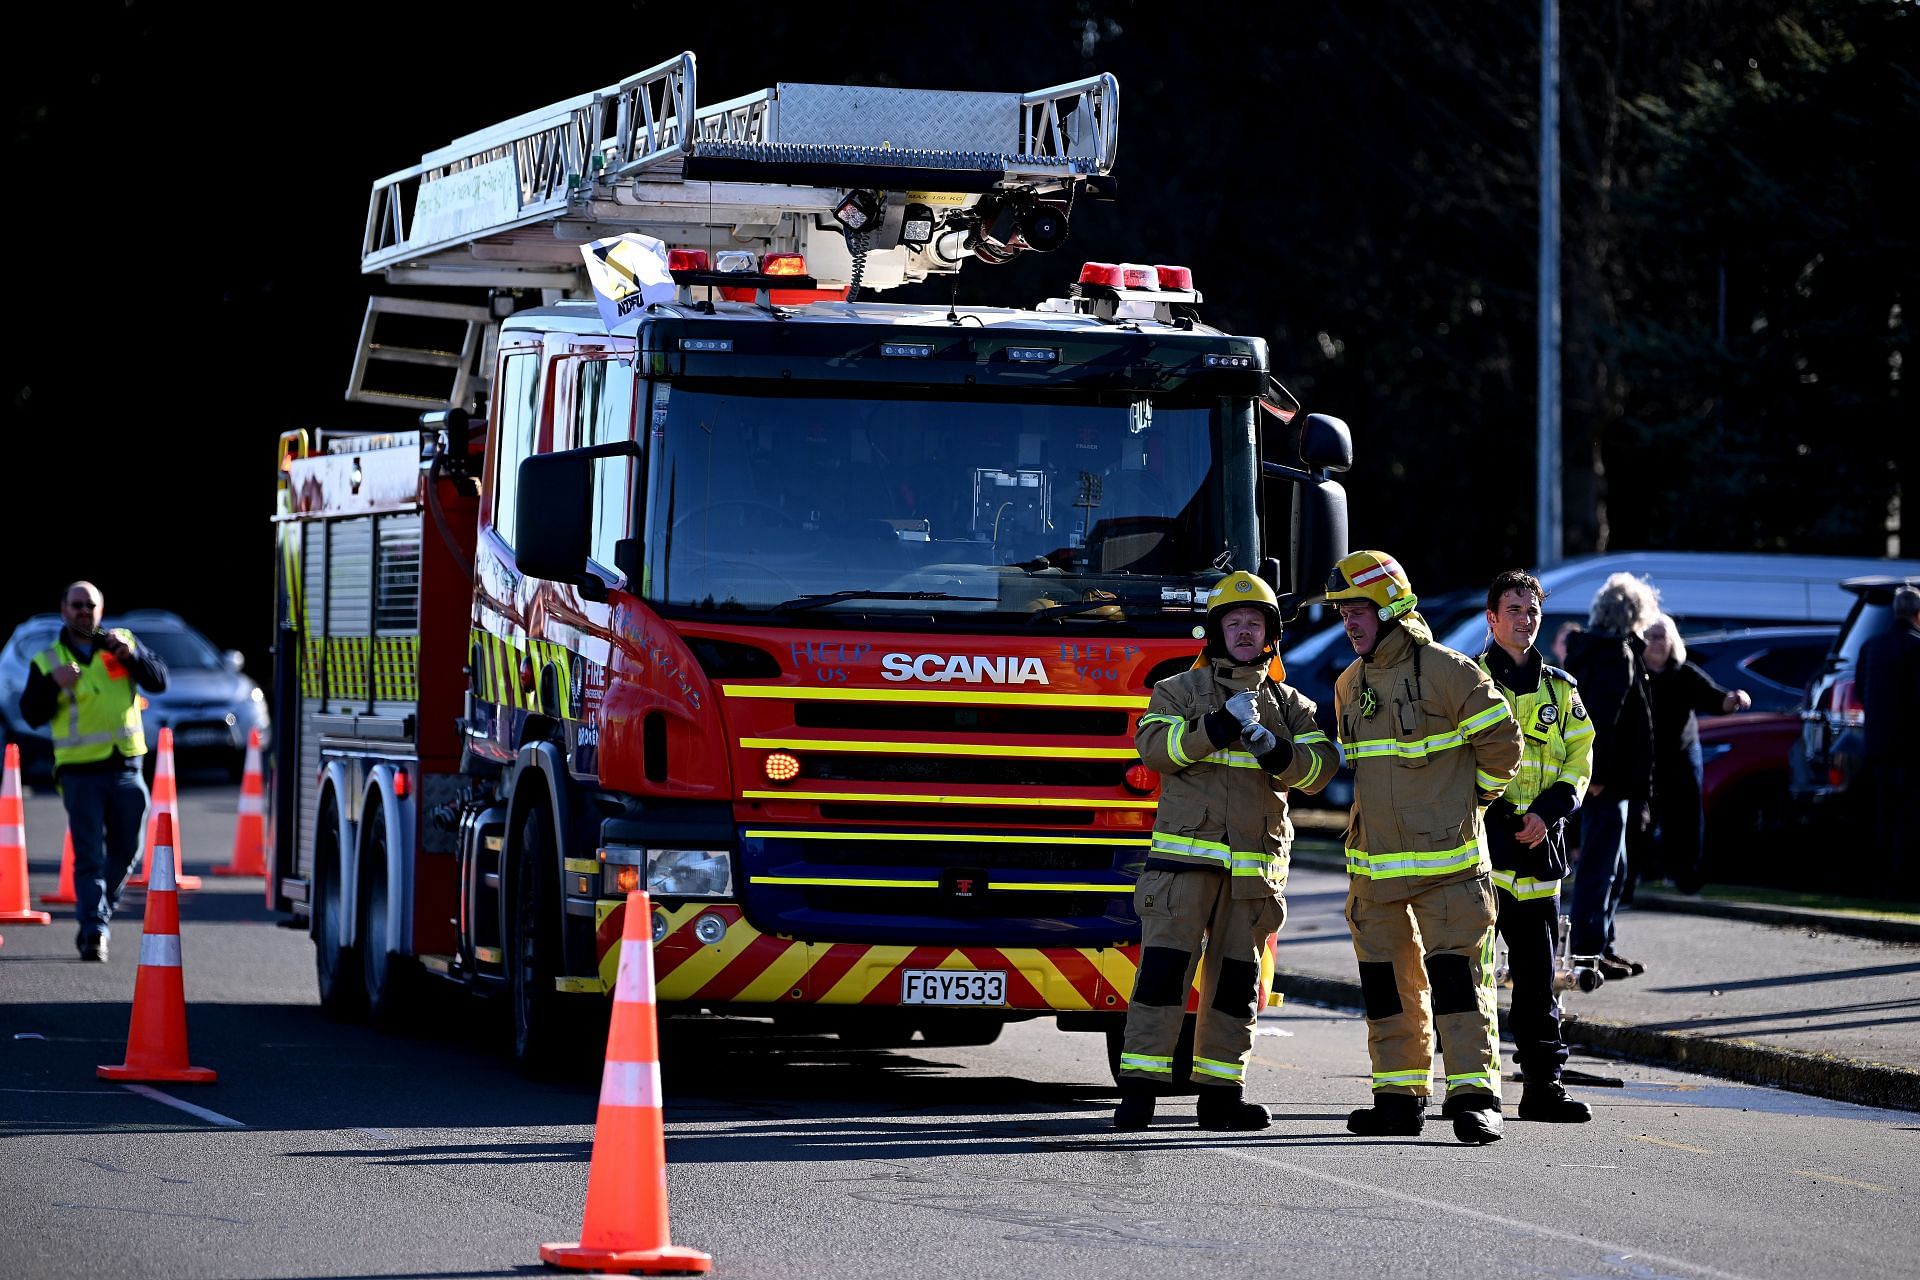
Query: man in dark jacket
[[1607, 659], [1889, 676]]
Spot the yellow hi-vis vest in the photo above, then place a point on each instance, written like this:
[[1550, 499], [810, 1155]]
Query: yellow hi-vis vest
[[1556, 745], [98, 716]]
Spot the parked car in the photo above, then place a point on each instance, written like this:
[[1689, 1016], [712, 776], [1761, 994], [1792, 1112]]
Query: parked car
[[1830, 727], [1773, 664], [209, 702], [1703, 590]]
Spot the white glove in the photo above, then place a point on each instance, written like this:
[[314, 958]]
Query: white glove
[[1258, 737], [1244, 707]]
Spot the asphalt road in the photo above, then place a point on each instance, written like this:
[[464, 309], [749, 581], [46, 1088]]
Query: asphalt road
[[329, 1150]]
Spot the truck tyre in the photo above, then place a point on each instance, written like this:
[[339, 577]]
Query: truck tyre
[[383, 974], [1181, 1083], [542, 1043], [336, 965]]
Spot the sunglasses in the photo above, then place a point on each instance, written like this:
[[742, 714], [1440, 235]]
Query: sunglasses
[[81, 604]]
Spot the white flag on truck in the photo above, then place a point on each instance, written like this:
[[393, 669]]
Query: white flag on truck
[[627, 272]]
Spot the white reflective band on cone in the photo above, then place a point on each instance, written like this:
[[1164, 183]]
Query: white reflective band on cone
[[160, 876], [634, 982], [252, 805], [160, 950], [630, 1084]]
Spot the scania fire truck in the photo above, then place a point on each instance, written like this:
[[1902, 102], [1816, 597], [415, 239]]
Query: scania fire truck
[[827, 621]]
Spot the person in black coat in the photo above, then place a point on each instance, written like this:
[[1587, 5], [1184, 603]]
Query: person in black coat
[[1682, 692], [1606, 660], [1889, 676]]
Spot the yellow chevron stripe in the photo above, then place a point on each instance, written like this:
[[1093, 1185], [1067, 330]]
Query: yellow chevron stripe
[[782, 976], [859, 981], [940, 697]]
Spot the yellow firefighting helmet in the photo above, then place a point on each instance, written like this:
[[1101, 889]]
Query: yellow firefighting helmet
[[1374, 576], [1242, 590]]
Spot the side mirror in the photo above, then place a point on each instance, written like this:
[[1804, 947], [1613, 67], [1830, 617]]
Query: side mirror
[[553, 514], [235, 660], [1326, 444], [1316, 535]]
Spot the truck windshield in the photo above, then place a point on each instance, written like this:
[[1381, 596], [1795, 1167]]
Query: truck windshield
[[850, 505]]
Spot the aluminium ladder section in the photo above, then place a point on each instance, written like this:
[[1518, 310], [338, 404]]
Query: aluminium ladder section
[[486, 209]]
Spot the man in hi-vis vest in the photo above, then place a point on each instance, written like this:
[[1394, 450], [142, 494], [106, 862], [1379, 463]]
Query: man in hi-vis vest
[[83, 687]]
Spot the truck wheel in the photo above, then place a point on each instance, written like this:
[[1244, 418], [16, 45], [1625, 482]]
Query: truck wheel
[[336, 965], [383, 974], [540, 1040], [1181, 1083]]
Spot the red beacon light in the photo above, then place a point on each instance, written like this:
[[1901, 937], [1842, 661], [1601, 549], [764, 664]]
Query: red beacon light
[[1141, 779], [687, 260], [783, 264], [1102, 273], [1175, 278]]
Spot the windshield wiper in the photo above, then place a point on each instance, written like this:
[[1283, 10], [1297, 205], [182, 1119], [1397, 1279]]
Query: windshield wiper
[[798, 603], [1127, 608]]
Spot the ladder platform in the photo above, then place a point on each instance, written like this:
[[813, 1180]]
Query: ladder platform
[[643, 155]]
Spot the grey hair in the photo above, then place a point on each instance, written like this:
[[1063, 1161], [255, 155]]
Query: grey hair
[[1678, 647], [1906, 604], [1624, 605]]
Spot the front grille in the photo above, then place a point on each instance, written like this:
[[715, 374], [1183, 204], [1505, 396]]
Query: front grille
[[935, 719], [1010, 771], [958, 814], [927, 902], [928, 856]]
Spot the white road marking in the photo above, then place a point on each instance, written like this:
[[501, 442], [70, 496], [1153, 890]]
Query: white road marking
[[1491, 1219], [211, 1117]]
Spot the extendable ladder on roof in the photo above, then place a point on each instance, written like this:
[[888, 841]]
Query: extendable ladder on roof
[[507, 207]]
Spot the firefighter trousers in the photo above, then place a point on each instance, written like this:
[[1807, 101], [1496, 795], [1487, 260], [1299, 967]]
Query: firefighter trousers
[[1190, 917], [1426, 962], [1529, 928]]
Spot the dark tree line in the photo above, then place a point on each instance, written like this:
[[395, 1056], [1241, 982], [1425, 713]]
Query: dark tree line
[[1355, 183]]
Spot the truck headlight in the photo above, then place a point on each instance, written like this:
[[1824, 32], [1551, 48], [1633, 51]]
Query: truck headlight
[[690, 873]]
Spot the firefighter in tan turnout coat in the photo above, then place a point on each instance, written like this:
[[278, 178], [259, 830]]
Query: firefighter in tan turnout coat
[[1229, 739], [1431, 743]]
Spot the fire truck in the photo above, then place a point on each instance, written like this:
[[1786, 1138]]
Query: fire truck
[[827, 621]]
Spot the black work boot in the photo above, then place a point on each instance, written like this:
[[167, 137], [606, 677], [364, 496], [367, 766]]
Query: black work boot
[[1135, 1111], [1476, 1117], [1392, 1115], [1228, 1108], [1547, 1100]]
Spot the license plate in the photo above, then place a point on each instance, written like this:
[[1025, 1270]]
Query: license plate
[[203, 737], [953, 986]]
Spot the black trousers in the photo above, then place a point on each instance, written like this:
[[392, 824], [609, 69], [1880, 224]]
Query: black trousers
[[1527, 927]]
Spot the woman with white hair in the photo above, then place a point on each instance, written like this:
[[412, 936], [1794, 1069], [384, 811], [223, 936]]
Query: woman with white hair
[[1607, 660], [1681, 693]]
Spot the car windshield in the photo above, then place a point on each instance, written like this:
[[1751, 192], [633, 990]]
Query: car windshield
[[180, 650], [798, 504]]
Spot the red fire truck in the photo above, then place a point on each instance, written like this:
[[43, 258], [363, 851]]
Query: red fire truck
[[827, 621]]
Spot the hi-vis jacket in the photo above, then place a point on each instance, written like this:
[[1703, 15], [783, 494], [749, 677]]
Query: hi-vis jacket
[[1430, 742], [1220, 806], [100, 715], [1556, 746]]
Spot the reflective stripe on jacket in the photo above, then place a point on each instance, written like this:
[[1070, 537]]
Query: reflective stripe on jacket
[[1440, 744], [1219, 805], [100, 714]]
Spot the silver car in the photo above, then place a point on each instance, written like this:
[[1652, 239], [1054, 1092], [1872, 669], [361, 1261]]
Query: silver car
[[209, 703]]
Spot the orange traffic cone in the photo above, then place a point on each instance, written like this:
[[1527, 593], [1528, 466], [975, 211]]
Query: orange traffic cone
[[15, 908], [249, 837], [626, 1223], [166, 799], [157, 1036], [63, 896]]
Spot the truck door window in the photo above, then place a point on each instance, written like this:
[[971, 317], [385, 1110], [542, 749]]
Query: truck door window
[[603, 414], [519, 421]]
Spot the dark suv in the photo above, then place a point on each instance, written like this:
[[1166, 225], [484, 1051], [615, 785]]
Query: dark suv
[[1830, 728]]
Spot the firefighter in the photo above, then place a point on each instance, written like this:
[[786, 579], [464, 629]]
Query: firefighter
[[1431, 743], [1229, 739], [1526, 833]]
